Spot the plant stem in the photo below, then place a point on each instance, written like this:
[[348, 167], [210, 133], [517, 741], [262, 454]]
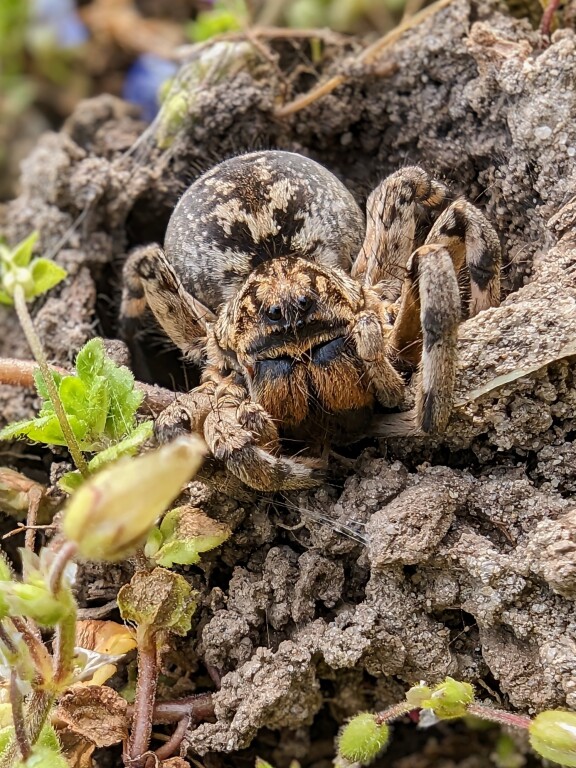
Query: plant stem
[[35, 495], [16, 702], [38, 709], [173, 744], [20, 373], [38, 652], [63, 646], [145, 698], [392, 713], [499, 716], [198, 707], [38, 352], [62, 557]]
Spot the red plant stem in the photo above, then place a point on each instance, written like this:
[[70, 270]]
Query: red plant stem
[[145, 699], [20, 373], [499, 716], [35, 345], [36, 648], [393, 712], [199, 708], [17, 705], [173, 744], [547, 16], [34, 498], [38, 707], [64, 554]]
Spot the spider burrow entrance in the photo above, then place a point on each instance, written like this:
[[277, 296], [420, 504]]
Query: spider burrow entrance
[[305, 326]]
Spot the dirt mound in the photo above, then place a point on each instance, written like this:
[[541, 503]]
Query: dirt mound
[[452, 556]]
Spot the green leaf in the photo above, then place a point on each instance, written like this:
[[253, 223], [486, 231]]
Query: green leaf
[[160, 600], [98, 404], [44, 429], [41, 384], [5, 298], [17, 429], [46, 752], [450, 699], [47, 430], [127, 447], [186, 533], [90, 359], [124, 400], [74, 395], [70, 481], [46, 274], [208, 24], [21, 254]]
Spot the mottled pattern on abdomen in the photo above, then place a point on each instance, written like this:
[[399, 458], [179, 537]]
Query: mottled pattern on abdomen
[[255, 207]]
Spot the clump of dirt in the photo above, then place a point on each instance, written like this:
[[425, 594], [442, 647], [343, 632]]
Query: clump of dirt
[[451, 556]]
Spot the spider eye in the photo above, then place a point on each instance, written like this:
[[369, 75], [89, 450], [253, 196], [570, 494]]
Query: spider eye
[[304, 303], [274, 313]]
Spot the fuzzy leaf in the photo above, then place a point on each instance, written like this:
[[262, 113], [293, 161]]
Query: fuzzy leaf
[[127, 447], [21, 254], [41, 384], [45, 275], [90, 359], [44, 429], [74, 395], [70, 481], [5, 298], [97, 408], [18, 429], [124, 399], [160, 600], [187, 532]]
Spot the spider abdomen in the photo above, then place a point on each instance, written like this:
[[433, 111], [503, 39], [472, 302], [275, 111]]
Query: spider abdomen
[[255, 207]]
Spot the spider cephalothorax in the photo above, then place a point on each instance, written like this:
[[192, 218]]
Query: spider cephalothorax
[[290, 333], [303, 322]]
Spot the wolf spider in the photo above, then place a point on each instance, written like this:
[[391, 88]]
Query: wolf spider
[[303, 327]]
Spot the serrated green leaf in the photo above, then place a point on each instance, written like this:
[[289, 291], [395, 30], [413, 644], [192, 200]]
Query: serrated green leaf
[[127, 447], [41, 384], [17, 429], [98, 404], [45, 275], [124, 400], [21, 254], [35, 428], [74, 395], [90, 359], [44, 429]]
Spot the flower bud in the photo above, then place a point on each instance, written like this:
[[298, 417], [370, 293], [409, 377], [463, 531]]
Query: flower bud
[[362, 739], [111, 514], [450, 699], [553, 735], [417, 695]]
